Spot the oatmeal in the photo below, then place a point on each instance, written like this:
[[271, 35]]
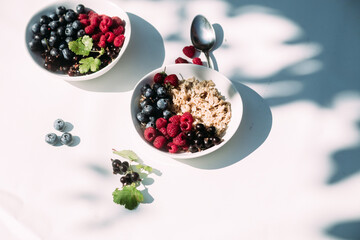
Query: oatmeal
[[203, 101]]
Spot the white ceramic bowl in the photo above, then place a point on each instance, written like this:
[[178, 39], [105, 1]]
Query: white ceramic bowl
[[107, 7], [186, 71]]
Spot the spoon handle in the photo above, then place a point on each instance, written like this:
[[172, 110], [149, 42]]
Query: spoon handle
[[208, 59]]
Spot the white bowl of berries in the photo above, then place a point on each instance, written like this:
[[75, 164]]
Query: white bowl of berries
[[78, 41], [185, 110]]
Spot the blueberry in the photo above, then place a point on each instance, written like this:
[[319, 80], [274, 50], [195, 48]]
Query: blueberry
[[44, 30], [60, 10], [141, 117], [150, 124], [68, 39], [162, 103], [54, 52], [149, 93], [145, 102], [62, 46], [53, 33], [143, 88], [59, 124], [44, 43], [148, 110], [70, 15], [69, 31], [60, 31], [166, 114], [161, 91], [80, 8], [54, 25], [152, 119], [36, 28], [62, 21], [66, 139], [51, 138], [53, 41], [67, 54], [44, 19], [53, 16], [76, 25], [35, 45], [37, 37], [80, 33]]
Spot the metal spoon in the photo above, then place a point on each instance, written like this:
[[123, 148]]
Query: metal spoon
[[202, 36]]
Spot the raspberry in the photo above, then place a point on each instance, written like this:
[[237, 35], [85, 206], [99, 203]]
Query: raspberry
[[172, 129], [91, 13], [89, 29], [160, 123], [197, 61], [119, 41], [109, 37], [175, 119], [164, 132], [150, 134], [102, 41], [187, 117], [159, 77], [172, 147], [172, 79], [118, 30], [96, 36], [185, 126], [189, 51], [85, 22], [105, 24], [117, 21], [159, 142], [95, 20], [181, 60], [82, 16], [180, 139]]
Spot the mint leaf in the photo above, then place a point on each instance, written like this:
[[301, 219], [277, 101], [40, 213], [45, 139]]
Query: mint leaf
[[128, 154], [89, 63], [81, 46], [129, 196], [144, 167]]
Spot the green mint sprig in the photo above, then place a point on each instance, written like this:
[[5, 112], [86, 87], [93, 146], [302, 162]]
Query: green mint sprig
[[129, 195]]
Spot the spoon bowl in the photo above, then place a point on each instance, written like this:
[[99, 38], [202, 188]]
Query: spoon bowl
[[202, 36]]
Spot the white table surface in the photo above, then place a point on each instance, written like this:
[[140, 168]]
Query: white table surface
[[290, 172]]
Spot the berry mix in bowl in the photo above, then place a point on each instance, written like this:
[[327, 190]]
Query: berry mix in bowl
[[185, 111], [78, 41]]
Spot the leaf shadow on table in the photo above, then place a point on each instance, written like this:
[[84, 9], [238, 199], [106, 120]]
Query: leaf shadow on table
[[349, 230], [254, 129], [145, 53]]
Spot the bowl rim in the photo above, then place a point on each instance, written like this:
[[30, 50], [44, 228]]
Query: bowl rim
[[42, 11], [235, 124]]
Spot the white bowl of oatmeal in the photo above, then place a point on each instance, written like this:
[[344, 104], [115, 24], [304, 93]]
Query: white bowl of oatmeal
[[208, 95]]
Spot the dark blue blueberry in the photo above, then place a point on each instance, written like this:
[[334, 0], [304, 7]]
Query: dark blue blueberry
[[51, 138], [53, 33], [61, 31], [156, 86], [59, 124], [44, 30], [35, 45], [80, 8], [36, 28], [44, 20], [149, 93], [44, 43], [53, 16], [69, 32], [37, 37], [80, 33], [161, 91], [62, 46], [54, 25], [62, 21], [67, 54], [53, 41], [69, 39], [145, 102], [60, 10], [54, 52], [66, 138], [167, 114], [162, 103], [141, 117], [69, 25], [143, 88], [148, 110], [150, 124], [76, 25], [152, 119], [70, 15]]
